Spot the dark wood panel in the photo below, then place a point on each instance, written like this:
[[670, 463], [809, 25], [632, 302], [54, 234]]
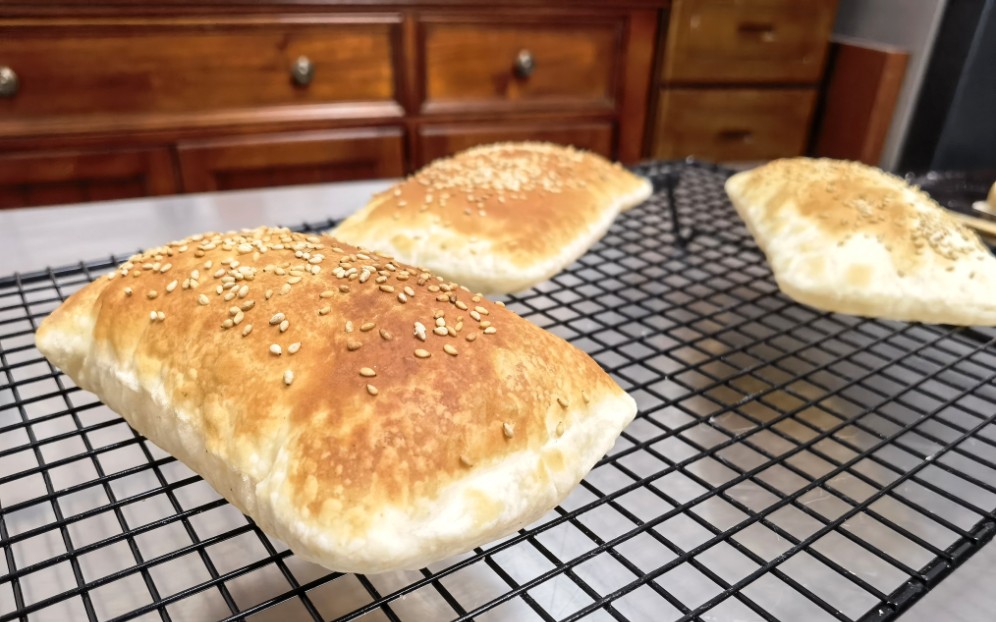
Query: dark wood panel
[[637, 67], [759, 41], [437, 141], [170, 66], [50, 177], [863, 86], [733, 124], [473, 65], [284, 159]]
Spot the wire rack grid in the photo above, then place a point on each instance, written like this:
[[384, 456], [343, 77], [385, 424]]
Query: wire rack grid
[[785, 463]]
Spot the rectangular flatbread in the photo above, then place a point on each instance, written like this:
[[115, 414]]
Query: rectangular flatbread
[[369, 414], [498, 218], [850, 238]]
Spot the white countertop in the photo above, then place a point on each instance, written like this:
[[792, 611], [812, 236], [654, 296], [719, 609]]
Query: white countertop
[[40, 237], [35, 238]]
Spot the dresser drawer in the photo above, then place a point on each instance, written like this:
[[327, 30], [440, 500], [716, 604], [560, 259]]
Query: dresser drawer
[[113, 68], [316, 157], [501, 65], [733, 124], [437, 141], [758, 41]]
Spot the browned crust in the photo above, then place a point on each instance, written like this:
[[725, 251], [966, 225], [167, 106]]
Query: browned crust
[[431, 419]]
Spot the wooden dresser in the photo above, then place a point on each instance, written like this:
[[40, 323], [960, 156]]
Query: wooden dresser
[[120, 98], [739, 79]]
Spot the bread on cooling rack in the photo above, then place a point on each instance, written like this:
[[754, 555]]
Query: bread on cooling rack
[[369, 414], [846, 237], [498, 218]]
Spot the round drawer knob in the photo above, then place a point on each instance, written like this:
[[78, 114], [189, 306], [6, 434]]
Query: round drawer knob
[[302, 71], [525, 64], [8, 82]]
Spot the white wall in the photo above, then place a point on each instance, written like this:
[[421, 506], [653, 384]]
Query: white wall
[[908, 24]]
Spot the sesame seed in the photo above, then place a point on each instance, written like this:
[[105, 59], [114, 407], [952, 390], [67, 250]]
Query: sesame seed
[[276, 319], [325, 310], [344, 289], [326, 294], [490, 330], [294, 347], [442, 298], [218, 290], [367, 372], [229, 296], [422, 354], [127, 291], [220, 272], [268, 294], [171, 286], [560, 428], [372, 390], [152, 294], [249, 304], [288, 377], [387, 288], [485, 324], [508, 429], [471, 336], [227, 323], [466, 461], [368, 326], [461, 305], [165, 268], [285, 289], [562, 402], [402, 298], [420, 331], [352, 345], [349, 326], [243, 291], [450, 350], [409, 291], [203, 300], [385, 335], [585, 397], [440, 330], [440, 321], [233, 310], [153, 316], [276, 349], [481, 310], [247, 330]]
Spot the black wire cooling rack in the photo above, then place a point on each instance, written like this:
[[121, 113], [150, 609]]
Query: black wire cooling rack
[[786, 464]]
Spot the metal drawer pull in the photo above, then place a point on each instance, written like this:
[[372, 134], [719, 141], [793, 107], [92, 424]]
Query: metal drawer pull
[[735, 135], [302, 71], [8, 82], [765, 31], [525, 64]]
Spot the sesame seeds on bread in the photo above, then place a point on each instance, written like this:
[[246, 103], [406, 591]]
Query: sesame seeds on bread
[[850, 238], [369, 414], [498, 218]]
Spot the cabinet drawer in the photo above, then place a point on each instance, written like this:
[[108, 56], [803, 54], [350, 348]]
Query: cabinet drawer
[[437, 141], [291, 158], [114, 68], [759, 41], [50, 177], [520, 65], [733, 124]]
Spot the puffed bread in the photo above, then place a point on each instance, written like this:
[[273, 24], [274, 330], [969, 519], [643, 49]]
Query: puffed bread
[[498, 218], [368, 414], [846, 237]]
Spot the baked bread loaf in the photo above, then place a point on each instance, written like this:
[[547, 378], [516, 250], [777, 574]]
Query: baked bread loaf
[[846, 237], [367, 413], [498, 218]]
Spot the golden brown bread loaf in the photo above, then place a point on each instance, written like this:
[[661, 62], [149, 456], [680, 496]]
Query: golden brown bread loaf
[[846, 237], [498, 218], [369, 414]]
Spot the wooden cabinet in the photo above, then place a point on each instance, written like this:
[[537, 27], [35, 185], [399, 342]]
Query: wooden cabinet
[[127, 98], [520, 65], [50, 177], [259, 161], [437, 141], [739, 78]]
